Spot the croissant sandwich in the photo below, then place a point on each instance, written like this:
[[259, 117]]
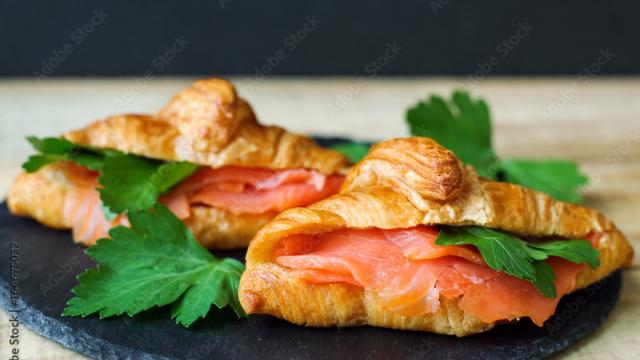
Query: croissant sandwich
[[241, 173], [415, 240]]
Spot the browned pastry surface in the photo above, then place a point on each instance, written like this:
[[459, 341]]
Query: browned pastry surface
[[207, 124], [403, 183]]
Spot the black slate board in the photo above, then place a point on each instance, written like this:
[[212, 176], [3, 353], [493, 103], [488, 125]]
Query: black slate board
[[49, 261]]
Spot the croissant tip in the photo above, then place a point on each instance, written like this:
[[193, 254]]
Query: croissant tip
[[251, 302], [435, 172]]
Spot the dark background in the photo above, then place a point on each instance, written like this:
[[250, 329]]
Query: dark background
[[439, 37]]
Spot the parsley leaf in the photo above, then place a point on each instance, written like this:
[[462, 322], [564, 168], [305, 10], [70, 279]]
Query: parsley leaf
[[156, 262], [462, 125], [544, 279], [558, 178], [129, 182], [355, 151], [516, 257], [57, 149], [35, 162], [501, 251], [133, 183], [51, 145], [171, 173], [577, 251]]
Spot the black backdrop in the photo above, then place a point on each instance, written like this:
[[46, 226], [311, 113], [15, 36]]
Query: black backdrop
[[331, 37]]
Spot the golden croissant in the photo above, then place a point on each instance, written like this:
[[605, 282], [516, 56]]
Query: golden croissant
[[249, 172], [367, 256]]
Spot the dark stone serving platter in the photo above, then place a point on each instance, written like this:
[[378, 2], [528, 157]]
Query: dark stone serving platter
[[48, 262]]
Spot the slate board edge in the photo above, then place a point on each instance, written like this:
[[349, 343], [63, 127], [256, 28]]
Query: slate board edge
[[616, 277], [88, 345], [64, 335]]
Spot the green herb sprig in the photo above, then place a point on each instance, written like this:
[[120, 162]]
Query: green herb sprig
[[463, 125], [525, 260], [129, 182], [354, 151], [156, 262]]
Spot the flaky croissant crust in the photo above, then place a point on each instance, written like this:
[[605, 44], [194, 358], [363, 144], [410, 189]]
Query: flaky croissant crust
[[403, 183], [209, 124]]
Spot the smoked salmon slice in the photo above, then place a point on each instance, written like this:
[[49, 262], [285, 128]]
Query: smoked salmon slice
[[255, 190], [408, 273], [237, 189], [82, 206]]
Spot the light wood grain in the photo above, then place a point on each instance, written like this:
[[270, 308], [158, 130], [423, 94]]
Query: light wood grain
[[596, 123]]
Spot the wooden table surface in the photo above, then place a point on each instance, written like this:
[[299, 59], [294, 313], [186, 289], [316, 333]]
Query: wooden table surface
[[593, 121]]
